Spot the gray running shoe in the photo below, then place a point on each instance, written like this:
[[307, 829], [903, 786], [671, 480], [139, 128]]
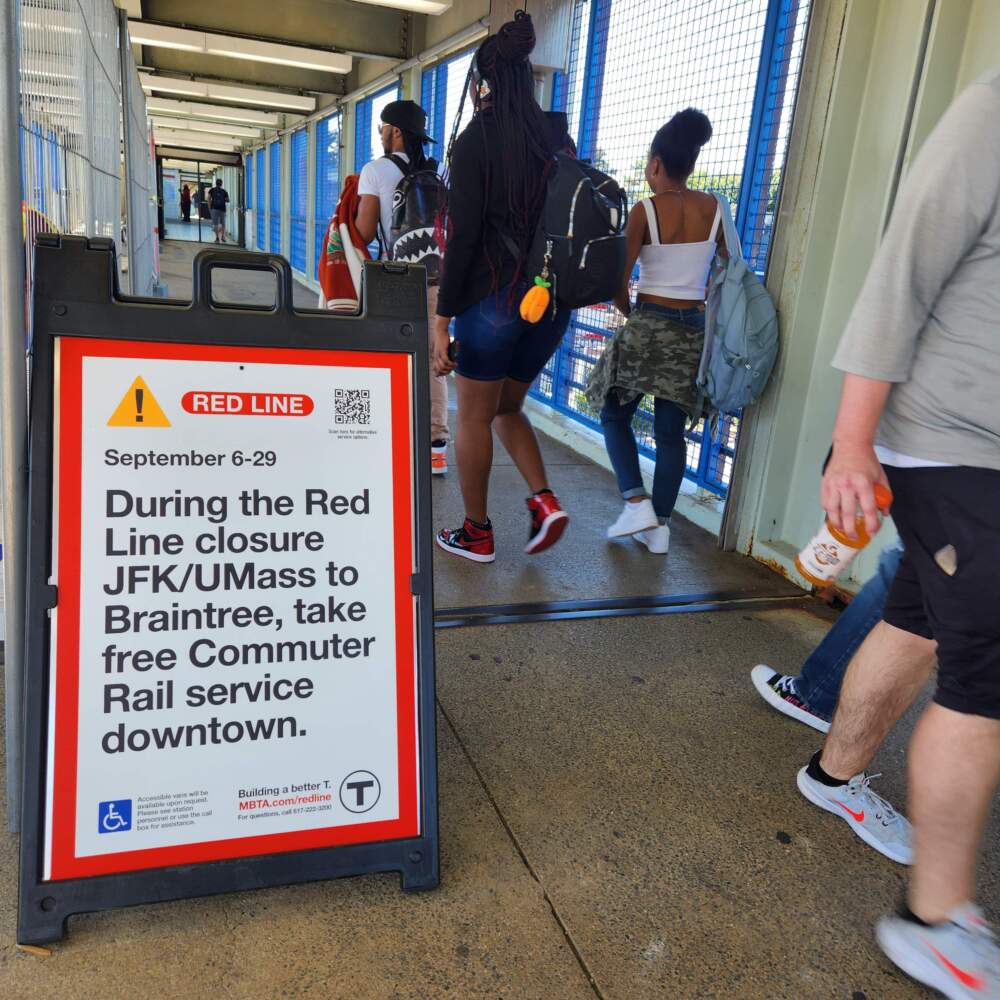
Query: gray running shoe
[[960, 958], [867, 814]]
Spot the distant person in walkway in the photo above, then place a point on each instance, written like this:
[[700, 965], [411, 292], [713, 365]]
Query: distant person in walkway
[[186, 203], [218, 198], [811, 697], [497, 184], [402, 131], [919, 411], [675, 235]]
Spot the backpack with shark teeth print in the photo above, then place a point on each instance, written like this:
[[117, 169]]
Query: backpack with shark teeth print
[[416, 207]]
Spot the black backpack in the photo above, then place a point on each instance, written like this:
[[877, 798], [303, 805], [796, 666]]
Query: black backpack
[[581, 234], [416, 205]]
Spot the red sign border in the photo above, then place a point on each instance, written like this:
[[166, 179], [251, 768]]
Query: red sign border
[[65, 864]]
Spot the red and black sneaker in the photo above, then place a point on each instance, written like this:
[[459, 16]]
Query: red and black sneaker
[[548, 521], [471, 541]]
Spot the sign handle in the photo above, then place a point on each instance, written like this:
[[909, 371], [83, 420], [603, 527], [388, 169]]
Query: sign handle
[[209, 260]]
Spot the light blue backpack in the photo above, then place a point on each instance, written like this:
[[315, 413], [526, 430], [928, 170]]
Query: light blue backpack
[[741, 330]]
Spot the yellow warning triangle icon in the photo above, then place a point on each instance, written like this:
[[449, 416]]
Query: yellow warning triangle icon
[[138, 408]]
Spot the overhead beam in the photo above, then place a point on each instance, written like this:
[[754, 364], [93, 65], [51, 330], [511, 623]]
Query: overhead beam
[[198, 140], [213, 112], [238, 47], [365, 32], [256, 96], [215, 128], [213, 156]]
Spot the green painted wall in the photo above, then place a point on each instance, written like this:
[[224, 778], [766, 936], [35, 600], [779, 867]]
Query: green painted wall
[[877, 76]]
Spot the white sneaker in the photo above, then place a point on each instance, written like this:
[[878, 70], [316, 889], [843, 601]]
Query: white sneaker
[[867, 814], [959, 957], [656, 539], [634, 517]]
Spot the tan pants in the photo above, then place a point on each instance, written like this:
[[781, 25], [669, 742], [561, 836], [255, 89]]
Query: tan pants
[[439, 383]]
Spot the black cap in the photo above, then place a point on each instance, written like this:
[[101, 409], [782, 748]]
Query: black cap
[[408, 116]]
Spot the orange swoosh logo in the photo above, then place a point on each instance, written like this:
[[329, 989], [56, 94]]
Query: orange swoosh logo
[[965, 978], [860, 817]]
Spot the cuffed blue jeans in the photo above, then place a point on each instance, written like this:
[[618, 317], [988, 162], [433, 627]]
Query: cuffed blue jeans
[[818, 683], [671, 450]]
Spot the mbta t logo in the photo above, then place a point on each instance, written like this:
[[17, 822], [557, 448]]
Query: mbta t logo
[[359, 791]]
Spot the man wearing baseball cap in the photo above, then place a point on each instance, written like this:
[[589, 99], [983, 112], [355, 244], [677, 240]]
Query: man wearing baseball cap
[[403, 134]]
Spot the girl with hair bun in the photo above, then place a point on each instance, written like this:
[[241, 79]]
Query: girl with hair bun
[[497, 175], [674, 235]]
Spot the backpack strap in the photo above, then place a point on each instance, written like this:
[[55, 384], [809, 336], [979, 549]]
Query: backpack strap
[[724, 215], [729, 227], [715, 223], [652, 221], [403, 165]]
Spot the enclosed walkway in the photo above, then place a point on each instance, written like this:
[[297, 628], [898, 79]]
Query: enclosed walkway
[[618, 807]]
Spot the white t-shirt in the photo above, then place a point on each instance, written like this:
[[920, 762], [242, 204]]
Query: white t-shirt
[[379, 178]]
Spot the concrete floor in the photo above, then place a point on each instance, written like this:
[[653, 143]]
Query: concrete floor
[[251, 287], [189, 232], [619, 820], [585, 564], [619, 817]]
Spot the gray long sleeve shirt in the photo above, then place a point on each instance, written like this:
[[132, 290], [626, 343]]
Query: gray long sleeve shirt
[[928, 316]]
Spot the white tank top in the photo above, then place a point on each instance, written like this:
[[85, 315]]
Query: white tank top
[[675, 270]]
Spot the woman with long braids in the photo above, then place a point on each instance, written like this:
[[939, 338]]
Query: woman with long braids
[[498, 170]]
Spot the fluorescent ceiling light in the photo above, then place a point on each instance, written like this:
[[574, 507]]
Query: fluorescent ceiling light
[[161, 37], [185, 136], [234, 47], [188, 140], [213, 112], [226, 92], [169, 85], [417, 6], [217, 128]]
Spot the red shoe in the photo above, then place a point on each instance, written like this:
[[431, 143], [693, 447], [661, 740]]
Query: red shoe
[[470, 541], [548, 521], [439, 460]]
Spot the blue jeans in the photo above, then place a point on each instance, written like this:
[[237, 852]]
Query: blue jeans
[[818, 683], [669, 421]]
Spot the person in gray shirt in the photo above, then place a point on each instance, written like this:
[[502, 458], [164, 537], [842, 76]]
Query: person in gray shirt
[[920, 412]]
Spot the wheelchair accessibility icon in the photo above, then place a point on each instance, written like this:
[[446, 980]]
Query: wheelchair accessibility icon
[[114, 816]]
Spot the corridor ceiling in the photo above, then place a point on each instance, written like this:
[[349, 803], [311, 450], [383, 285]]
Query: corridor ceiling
[[234, 66]]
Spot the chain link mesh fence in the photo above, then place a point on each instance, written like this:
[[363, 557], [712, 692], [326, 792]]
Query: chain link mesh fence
[[75, 112], [139, 178]]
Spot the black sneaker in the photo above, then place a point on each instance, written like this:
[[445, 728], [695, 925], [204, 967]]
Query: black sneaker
[[778, 690], [470, 541]]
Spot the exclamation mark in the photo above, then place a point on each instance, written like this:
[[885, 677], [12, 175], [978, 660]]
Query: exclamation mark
[[138, 406]]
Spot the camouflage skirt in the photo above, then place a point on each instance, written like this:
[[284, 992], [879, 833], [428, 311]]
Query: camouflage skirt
[[656, 353]]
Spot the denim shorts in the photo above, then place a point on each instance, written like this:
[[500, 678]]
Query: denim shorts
[[495, 343], [218, 216]]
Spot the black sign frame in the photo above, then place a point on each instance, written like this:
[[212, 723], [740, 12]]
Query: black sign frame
[[76, 295]]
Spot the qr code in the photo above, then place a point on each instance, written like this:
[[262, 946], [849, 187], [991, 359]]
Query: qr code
[[352, 406]]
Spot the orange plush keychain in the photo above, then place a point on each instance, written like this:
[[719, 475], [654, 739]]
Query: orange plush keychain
[[536, 299]]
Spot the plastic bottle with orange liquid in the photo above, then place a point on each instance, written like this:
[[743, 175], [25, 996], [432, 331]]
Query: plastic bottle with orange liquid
[[830, 551]]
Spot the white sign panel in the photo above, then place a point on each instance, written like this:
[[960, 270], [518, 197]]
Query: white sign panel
[[233, 647]]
